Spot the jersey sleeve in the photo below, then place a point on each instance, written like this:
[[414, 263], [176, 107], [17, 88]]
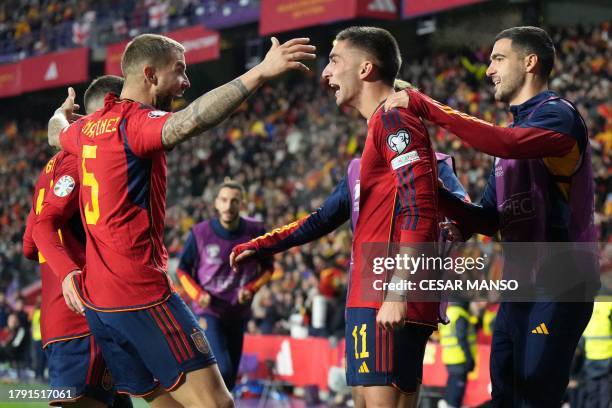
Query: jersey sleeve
[[539, 138], [142, 129], [400, 143], [59, 206], [186, 270], [451, 182], [69, 137], [471, 218], [334, 212], [30, 250]]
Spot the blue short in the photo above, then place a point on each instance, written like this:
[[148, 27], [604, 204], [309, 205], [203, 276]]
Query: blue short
[[78, 364], [375, 356], [152, 346]]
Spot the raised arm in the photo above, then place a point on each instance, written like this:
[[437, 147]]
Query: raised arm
[[335, 211], [214, 106], [550, 132]]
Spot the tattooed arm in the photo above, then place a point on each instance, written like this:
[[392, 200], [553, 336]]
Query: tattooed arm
[[213, 107]]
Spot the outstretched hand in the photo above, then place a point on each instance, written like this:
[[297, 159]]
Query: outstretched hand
[[287, 56]]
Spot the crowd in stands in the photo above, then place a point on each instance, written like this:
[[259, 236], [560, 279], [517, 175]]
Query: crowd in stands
[[34, 27], [289, 145]]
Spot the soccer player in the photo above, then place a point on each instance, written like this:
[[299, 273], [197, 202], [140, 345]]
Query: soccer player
[[540, 190], [397, 205], [146, 332], [54, 237], [222, 297]]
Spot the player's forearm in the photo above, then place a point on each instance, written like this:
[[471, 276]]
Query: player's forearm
[[508, 143], [47, 239], [470, 218], [57, 122], [192, 288], [256, 284], [29, 247], [209, 109], [298, 233]]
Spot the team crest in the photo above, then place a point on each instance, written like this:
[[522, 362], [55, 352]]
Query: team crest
[[200, 341], [157, 114], [398, 142], [212, 250], [64, 186], [107, 380]]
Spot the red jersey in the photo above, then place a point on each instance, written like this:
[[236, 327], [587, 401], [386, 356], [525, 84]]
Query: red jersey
[[397, 199], [122, 169], [56, 196]]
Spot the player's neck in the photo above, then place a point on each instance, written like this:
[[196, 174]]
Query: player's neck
[[528, 91], [136, 94], [232, 225], [372, 95]]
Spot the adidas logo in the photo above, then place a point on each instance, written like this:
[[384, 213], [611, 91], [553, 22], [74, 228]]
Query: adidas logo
[[541, 329], [387, 6], [363, 368], [52, 73]]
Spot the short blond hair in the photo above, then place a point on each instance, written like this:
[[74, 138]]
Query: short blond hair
[[154, 49]]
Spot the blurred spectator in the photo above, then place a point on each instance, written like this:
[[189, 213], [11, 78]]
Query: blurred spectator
[[14, 345], [39, 354], [5, 310]]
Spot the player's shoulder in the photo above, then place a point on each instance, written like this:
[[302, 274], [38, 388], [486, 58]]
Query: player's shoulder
[[133, 108], [353, 164], [557, 109], [394, 119], [67, 159], [253, 223], [200, 226]]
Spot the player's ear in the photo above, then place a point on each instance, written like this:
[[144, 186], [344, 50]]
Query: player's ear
[[366, 69], [531, 60], [150, 74]]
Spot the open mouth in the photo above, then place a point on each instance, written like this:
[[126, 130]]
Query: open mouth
[[335, 87]]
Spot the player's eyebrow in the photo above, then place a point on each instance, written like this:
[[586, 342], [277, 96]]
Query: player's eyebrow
[[333, 55], [497, 54], [181, 64]]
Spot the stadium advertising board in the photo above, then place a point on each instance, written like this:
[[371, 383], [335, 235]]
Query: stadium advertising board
[[296, 365], [9, 80], [282, 15], [412, 8], [232, 14], [56, 69], [46, 71], [200, 45]]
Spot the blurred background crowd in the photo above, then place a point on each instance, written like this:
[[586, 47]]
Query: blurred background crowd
[[35, 27]]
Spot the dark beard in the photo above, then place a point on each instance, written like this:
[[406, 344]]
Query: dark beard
[[163, 102]]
